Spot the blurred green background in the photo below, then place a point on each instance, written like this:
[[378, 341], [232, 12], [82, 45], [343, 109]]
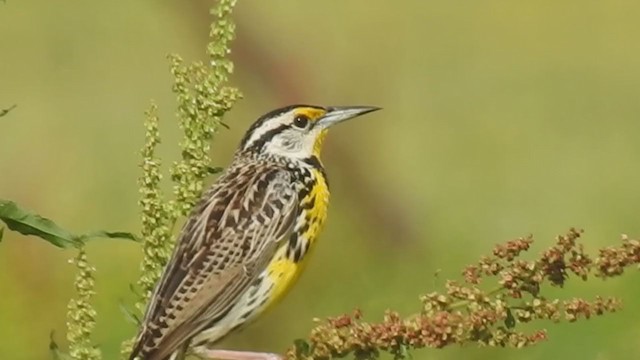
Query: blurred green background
[[501, 118]]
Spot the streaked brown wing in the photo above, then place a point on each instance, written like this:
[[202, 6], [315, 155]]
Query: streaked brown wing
[[227, 241]]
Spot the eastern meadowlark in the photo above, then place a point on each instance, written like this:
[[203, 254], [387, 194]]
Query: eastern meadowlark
[[246, 241]]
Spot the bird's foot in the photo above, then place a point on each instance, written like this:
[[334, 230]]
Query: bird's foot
[[211, 354]]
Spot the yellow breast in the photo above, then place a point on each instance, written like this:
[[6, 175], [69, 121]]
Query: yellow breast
[[292, 257]]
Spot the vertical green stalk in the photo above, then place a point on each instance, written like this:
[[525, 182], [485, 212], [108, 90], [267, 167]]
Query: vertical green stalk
[[155, 230], [81, 316], [203, 97]]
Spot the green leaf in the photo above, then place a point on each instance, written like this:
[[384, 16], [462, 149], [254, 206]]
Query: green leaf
[[129, 314], [510, 321], [401, 352], [56, 354], [134, 291], [214, 170], [1, 233], [110, 235], [302, 348], [28, 223]]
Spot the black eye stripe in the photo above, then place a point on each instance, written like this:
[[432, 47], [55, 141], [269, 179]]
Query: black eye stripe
[[267, 136], [249, 142]]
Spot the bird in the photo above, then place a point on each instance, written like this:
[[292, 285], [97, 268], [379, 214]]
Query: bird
[[246, 240]]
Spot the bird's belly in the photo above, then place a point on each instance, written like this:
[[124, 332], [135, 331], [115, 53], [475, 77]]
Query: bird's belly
[[270, 286], [282, 273], [273, 283]]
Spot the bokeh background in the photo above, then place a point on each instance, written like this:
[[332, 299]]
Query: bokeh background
[[501, 118]]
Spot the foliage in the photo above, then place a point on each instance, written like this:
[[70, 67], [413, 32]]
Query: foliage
[[29, 223], [81, 316], [203, 97], [465, 313], [155, 229]]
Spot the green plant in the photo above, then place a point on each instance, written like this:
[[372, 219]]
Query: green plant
[[463, 313], [466, 313], [203, 97]]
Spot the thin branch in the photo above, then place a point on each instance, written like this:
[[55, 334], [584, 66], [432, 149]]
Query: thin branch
[[464, 313], [4, 112]]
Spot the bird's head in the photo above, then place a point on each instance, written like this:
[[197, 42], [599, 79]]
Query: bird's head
[[296, 131]]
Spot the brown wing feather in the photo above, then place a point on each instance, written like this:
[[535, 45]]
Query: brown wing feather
[[225, 244]]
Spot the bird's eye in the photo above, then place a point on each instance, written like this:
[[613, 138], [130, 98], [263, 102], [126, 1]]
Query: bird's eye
[[301, 121]]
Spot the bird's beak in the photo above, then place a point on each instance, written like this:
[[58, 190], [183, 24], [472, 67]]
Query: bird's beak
[[336, 114]]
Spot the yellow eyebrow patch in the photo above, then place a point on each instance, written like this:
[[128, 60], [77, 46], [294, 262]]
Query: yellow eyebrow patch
[[311, 113]]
